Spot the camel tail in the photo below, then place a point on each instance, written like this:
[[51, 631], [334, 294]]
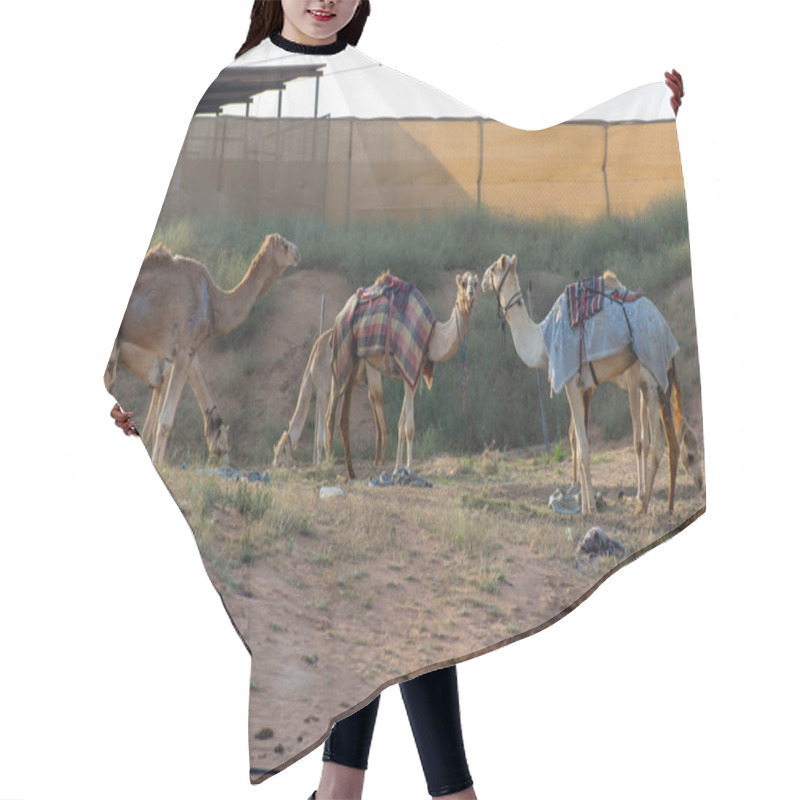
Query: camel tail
[[110, 376], [676, 397]]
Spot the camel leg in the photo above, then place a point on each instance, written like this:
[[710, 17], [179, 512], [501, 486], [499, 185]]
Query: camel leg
[[405, 428], [573, 449], [575, 398], [408, 418], [344, 425], [156, 400], [653, 447], [673, 450], [330, 419], [177, 380], [375, 422], [573, 444], [384, 426], [638, 424], [320, 445], [375, 395], [401, 435], [214, 429]]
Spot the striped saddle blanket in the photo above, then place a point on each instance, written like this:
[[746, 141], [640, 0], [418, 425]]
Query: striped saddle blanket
[[585, 298], [390, 318]]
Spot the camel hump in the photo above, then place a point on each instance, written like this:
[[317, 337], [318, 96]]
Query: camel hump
[[157, 256], [384, 277], [612, 281]]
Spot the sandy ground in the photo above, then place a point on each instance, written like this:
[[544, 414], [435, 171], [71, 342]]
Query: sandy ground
[[338, 598]]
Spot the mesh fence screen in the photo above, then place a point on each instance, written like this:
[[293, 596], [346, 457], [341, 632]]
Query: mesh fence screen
[[351, 169]]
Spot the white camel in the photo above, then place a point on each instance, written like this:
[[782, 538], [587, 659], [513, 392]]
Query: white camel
[[642, 389], [501, 277]]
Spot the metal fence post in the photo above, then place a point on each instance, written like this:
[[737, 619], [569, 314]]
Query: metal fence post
[[539, 382]]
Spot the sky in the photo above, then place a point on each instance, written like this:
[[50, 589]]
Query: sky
[[120, 674]]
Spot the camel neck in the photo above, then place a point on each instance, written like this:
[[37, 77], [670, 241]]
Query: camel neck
[[527, 336], [308, 49], [447, 337]]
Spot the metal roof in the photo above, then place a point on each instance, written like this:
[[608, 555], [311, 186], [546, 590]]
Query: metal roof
[[242, 84]]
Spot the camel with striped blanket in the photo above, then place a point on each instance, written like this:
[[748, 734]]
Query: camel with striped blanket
[[445, 340]]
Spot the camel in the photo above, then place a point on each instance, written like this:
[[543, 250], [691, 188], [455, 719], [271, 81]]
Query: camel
[[154, 371], [447, 338], [317, 380], [641, 385], [501, 277], [176, 307]]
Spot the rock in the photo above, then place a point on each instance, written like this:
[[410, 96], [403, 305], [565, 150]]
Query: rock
[[400, 477], [594, 543]]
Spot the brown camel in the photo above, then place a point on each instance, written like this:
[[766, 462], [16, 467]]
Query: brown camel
[[447, 338], [154, 372], [501, 277], [175, 307], [317, 380]]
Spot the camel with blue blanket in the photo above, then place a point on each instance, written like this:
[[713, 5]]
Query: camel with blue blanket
[[583, 346]]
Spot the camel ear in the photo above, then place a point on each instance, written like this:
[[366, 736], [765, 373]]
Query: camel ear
[[459, 280], [514, 260]]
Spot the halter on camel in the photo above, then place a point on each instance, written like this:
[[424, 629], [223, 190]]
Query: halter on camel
[[502, 311]]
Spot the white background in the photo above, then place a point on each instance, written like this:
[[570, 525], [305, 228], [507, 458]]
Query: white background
[[120, 674]]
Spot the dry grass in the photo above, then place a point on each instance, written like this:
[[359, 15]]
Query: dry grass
[[463, 541]]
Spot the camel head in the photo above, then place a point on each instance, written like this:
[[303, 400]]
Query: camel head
[[277, 255], [283, 452], [501, 277], [467, 285], [217, 437], [691, 458]]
